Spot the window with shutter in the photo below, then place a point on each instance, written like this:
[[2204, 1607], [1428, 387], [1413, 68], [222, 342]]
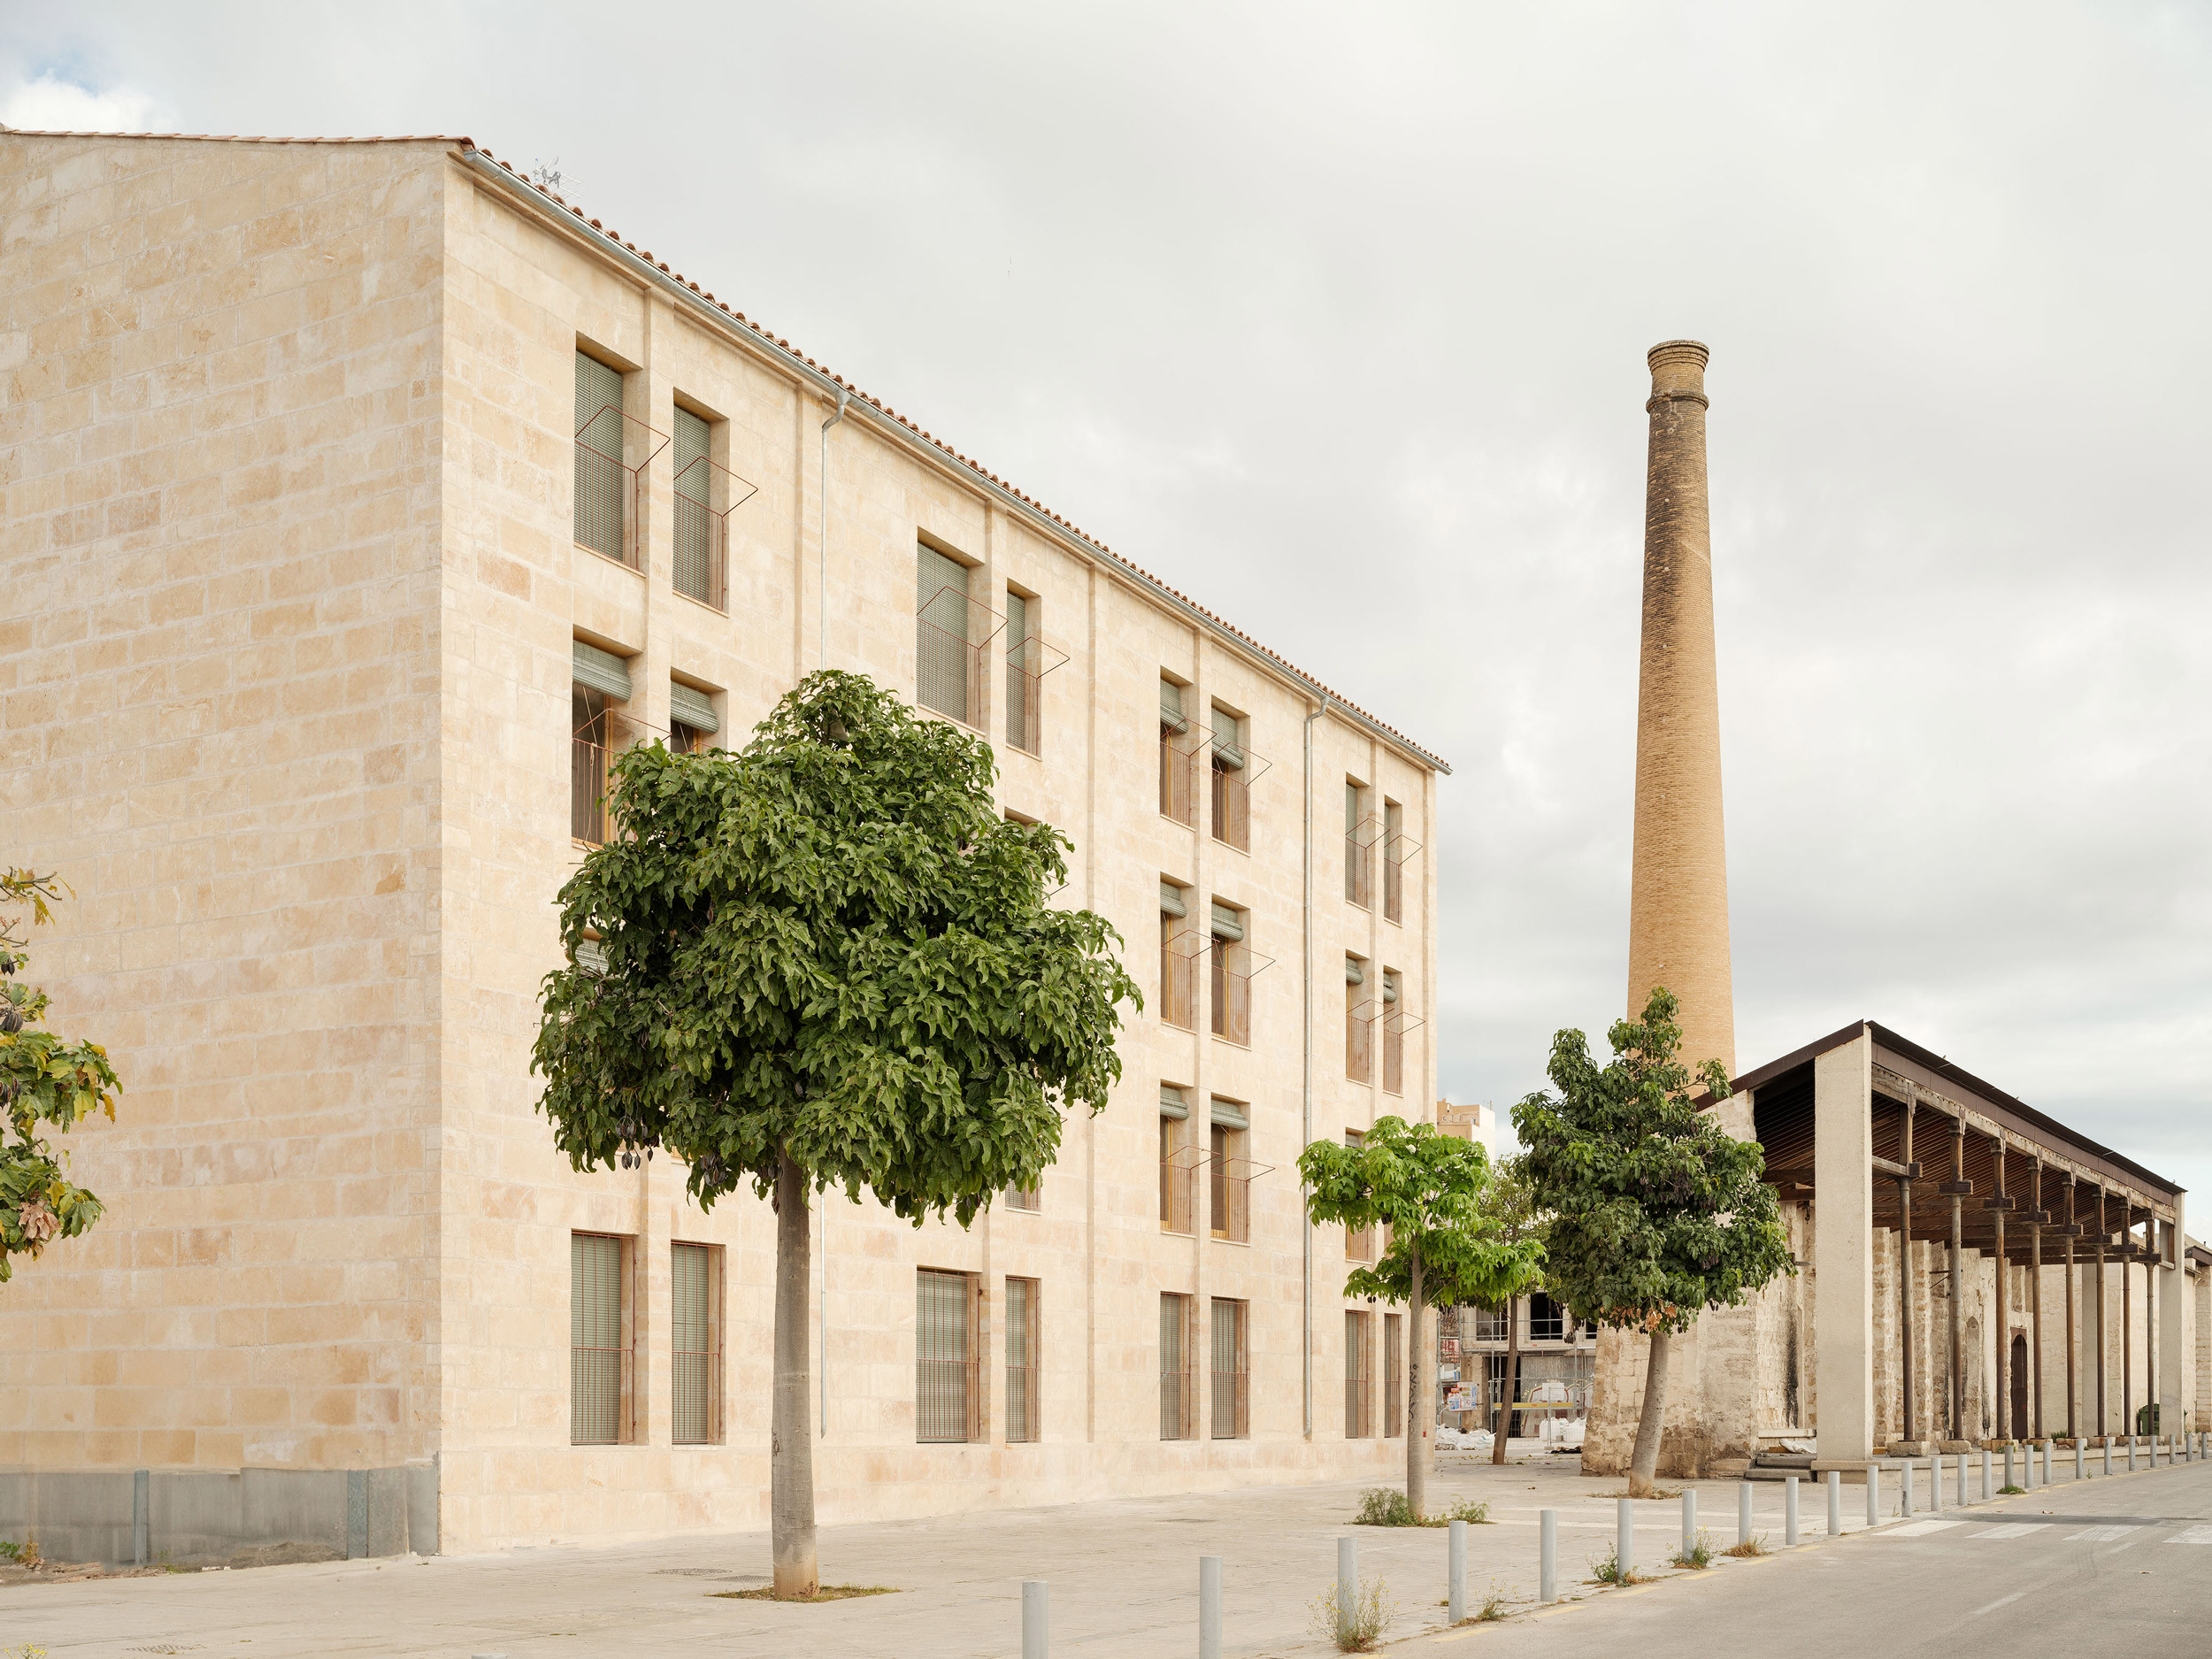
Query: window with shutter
[[698, 525], [599, 1341], [942, 644], [601, 480], [946, 1406], [695, 1344]]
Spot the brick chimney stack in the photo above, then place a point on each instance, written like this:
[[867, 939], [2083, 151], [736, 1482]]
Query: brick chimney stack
[[1678, 917]]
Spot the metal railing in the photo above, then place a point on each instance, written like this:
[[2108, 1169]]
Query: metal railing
[[1396, 850], [588, 789], [612, 450], [952, 632], [1027, 663], [1395, 1024], [1178, 976], [1179, 1189], [1359, 1043], [1233, 967], [1231, 818], [1358, 878], [1178, 767], [705, 495]]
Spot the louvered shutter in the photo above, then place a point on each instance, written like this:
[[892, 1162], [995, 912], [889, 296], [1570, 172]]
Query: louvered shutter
[[693, 707], [694, 505], [941, 633], [600, 479], [1227, 752]]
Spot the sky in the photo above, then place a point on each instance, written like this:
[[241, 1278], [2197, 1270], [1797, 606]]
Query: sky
[[1335, 318]]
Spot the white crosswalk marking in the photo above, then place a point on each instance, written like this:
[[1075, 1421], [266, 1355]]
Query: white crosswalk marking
[[2099, 1534], [2194, 1535], [2017, 1529], [1919, 1529]]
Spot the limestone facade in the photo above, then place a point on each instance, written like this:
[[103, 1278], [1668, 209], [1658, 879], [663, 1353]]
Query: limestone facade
[[291, 543]]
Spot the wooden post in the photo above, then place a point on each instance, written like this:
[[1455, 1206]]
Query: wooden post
[[2104, 1363], [1998, 1204], [2073, 1346], [2150, 1328], [1957, 1187], [2127, 1323], [1910, 1415], [2035, 1287]]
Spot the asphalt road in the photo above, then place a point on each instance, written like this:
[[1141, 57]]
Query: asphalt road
[[2120, 1566]]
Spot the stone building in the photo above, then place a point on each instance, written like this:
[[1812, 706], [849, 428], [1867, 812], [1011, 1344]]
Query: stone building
[[1916, 1317], [361, 499]]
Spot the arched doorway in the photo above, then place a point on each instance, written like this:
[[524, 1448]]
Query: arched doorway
[[2021, 1426]]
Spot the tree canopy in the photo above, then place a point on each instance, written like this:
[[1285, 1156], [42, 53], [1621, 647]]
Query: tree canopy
[[830, 946], [44, 1081]]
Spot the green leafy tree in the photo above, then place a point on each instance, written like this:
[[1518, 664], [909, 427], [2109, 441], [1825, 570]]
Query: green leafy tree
[[826, 961], [1423, 1185], [44, 1081], [1510, 1205], [1657, 1213]]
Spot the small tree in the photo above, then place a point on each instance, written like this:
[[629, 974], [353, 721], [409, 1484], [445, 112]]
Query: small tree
[[1423, 1186], [43, 1080], [1509, 1204], [827, 961], [1656, 1212]]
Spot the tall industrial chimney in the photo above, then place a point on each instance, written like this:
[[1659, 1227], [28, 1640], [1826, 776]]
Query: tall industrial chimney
[[1677, 916]]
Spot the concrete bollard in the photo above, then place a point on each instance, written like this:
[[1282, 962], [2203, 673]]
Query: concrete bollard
[[1743, 1513], [2080, 1455], [1625, 1539], [2131, 1454], [2046, 1463], [1547, 1554], [1873, 1495], [1455, 1570], [1963, 1500], [1986, 1493], [1835, 1503], [1789, 1511], [1346, 1575], [2108, 1453], [1904, 1498], [1210, 1605], [1036, 1636], [1935, 1485], [2010, 1479], [1689, 1519]]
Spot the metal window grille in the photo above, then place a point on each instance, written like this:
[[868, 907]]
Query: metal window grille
[[1393, 1376], [1359, 1420], [705, 494], [946, 1404], [1358, 878], [1230, 1174], [1231, 1002], [1176, 1391], [951, 633], [1179, 762], [1359, 1039], [1025, 673], [612, 452], [1396, 850], [1179, 1163], [591, 742], [1023, 1421], [1231, 1372], [1394, 1054], [1179, 945], [694, 1277], [599, 1340]]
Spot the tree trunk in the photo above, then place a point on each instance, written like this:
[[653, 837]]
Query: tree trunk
[[1512, 1378], [1417, 1419], [791, 1447], [1644, 1466]]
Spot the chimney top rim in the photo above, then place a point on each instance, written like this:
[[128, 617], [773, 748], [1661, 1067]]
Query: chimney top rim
[[1678, 349]]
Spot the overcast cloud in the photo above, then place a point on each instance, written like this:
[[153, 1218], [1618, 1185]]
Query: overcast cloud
[[1334, 317]]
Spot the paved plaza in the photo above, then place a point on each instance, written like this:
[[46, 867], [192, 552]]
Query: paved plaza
[[1124, 1579]]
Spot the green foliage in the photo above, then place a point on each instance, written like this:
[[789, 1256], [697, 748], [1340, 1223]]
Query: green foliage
[[1424, 1186], [1354, 1623], [1387, 1506], [1656, 1212], [44, 1081], [1698, 1556], [1606, 1569], [830, 945], [1752, 1546]]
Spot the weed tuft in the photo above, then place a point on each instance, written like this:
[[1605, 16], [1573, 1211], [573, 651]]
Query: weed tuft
[[822, 1593], [1752, 1546], [1606, 1569], [1358, 1625], [1386, 1506], [1698, 1556]]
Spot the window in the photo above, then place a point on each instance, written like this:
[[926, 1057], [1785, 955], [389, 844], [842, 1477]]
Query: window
[[1232, 1000], [947, 1405], [1022, 1419], [1357, 837], [600, 681], [1177, 749], [1232, 1377], [1359, 1245], [1231, 1174], [1393, 1376], [599, 1338], [1394, 1044], [1025, 671], [606, 505], [944, 647], [1393, 861], [1547, 1319], [1177, 1404], [1232, 802], [1359, 1405], [1180, 943], [702, 514], [1023, 1198], [691, 719], [1175, 1161], [1490, 1324], [694, 1285], [1359, 1026]]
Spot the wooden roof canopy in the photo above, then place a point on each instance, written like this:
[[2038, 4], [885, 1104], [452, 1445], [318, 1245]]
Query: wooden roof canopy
[[2054, 1177]]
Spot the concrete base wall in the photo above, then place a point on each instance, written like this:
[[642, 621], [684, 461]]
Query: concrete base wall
[[199, 1517]]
